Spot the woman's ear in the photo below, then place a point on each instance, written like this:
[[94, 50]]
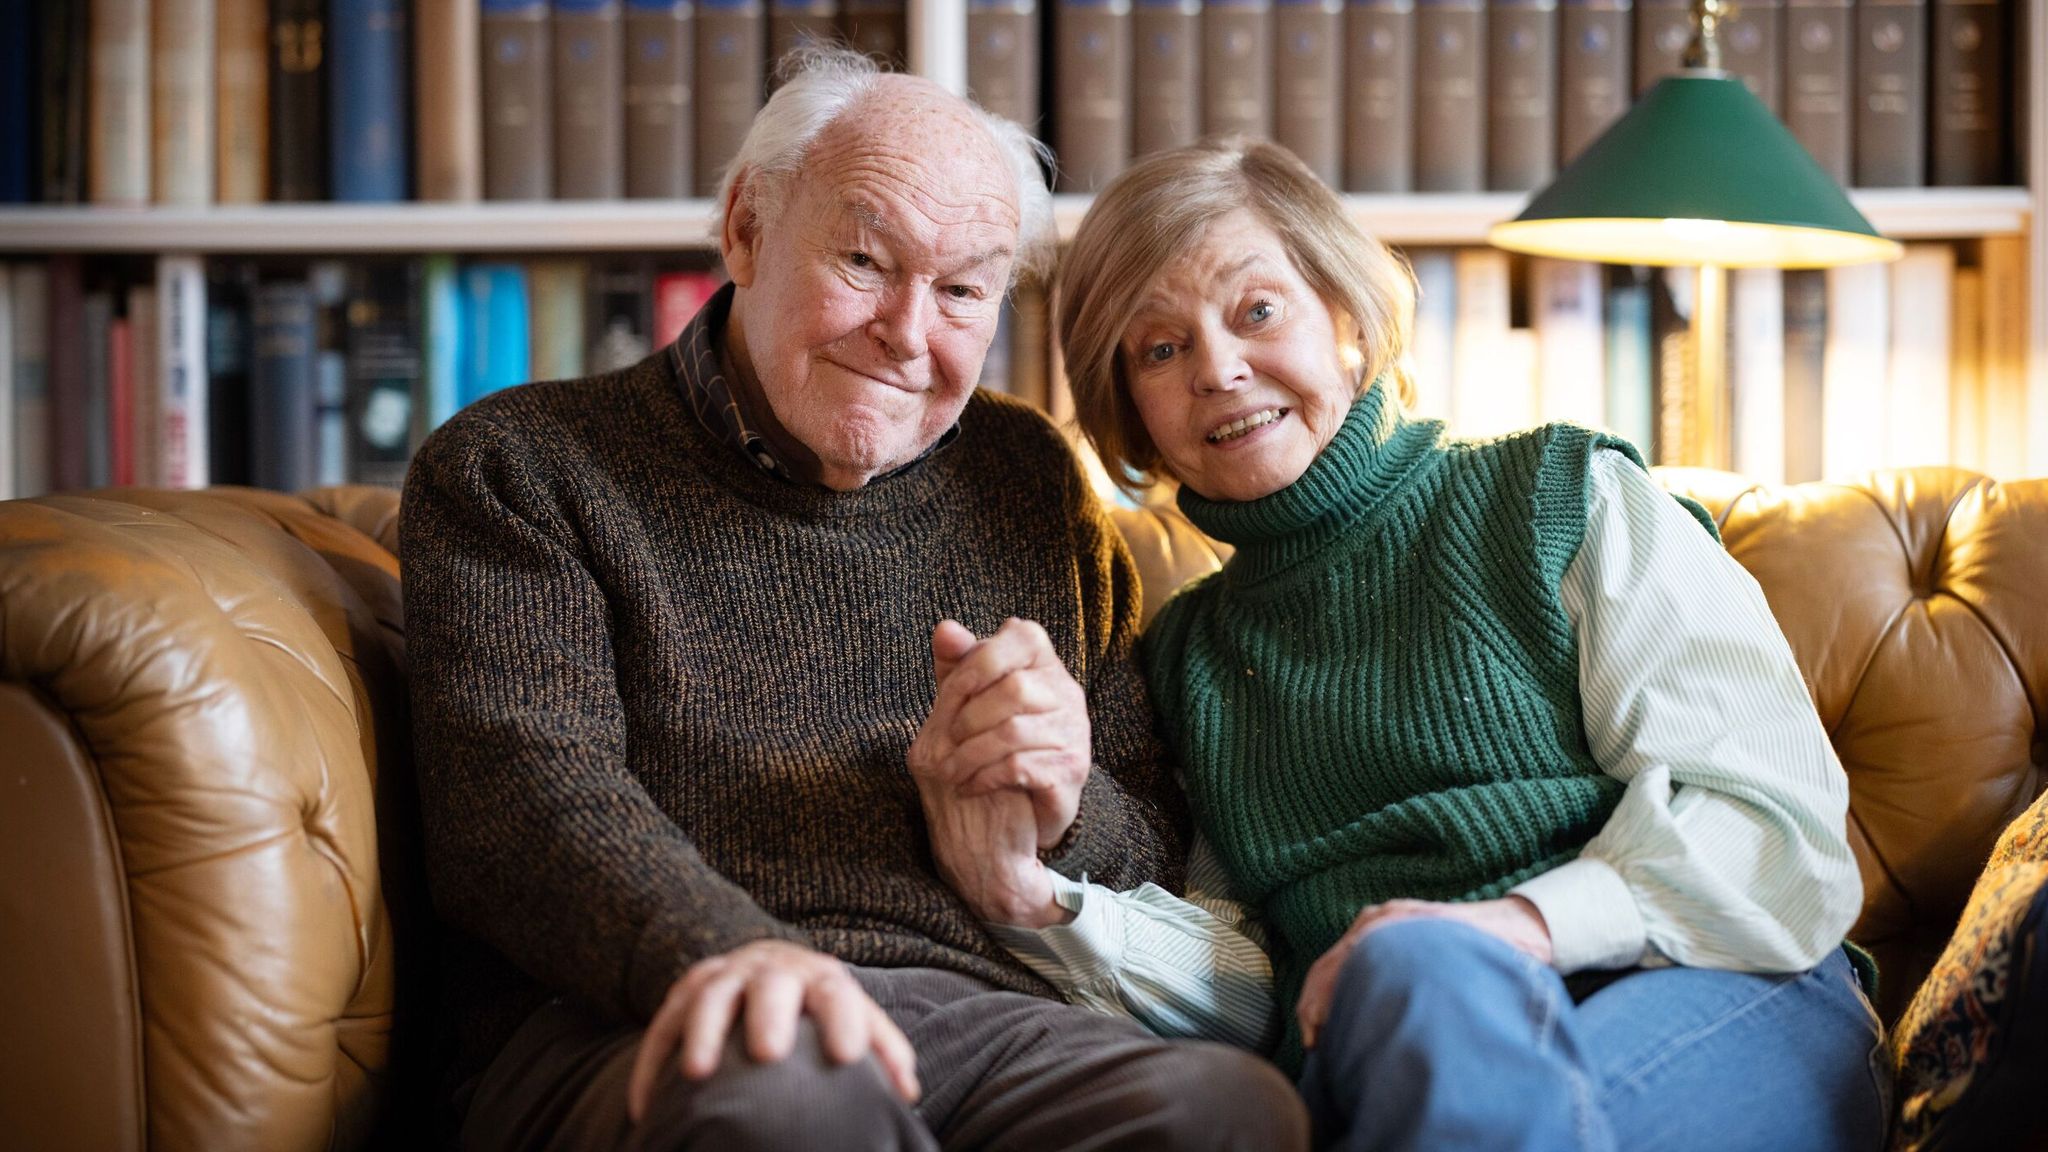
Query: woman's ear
[[740, 234], [1351, 349]]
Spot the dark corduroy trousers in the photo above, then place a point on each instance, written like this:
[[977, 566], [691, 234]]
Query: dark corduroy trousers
[[1000, 1070]]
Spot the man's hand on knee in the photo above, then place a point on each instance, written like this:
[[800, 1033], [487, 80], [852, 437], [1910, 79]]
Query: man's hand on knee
[[766, 987]]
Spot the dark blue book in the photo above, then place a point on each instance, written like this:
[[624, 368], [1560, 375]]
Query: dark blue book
[[19, 155], [230, 348], [369, 107], [284, 387]]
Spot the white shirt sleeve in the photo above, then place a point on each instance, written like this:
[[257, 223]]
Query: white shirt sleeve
[[1193, 968], [1729, 847]]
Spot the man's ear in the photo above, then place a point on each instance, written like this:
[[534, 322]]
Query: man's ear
[[740, 237]]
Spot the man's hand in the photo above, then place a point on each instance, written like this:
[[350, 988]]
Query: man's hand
[[1513, 919], [1008, 715], [771, 983]]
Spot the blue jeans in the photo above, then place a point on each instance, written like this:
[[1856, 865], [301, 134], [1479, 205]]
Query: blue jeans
[[1443, 1037]]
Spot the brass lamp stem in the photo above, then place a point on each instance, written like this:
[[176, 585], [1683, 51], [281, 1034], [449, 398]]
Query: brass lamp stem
[[1704, 50]]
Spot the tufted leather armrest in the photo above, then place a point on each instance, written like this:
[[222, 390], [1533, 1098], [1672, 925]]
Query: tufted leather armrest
[[202, 689]]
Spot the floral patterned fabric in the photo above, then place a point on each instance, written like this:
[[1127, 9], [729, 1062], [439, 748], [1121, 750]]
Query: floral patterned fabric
[[1962, 1047]]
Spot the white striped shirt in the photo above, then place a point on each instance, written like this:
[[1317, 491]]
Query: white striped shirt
[[1728, 848]]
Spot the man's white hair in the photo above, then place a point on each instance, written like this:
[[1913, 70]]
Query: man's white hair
[[821, 82]]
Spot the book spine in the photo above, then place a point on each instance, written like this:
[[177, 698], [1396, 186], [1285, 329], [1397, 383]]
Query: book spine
[[120, 410], [19, 160], [1631, 373], [1379, 106], [1092, 101], [557, 322], [98, 407], [31, 409], [1891, 93], [242, 101], [9, 363], [1806, 333], [64, 61], [1486, 399], [1450, 106], [282, 387], [1521, 88], [1756, 371], [499, 349], [442, 345], [1565, 298], [1166, 66], [1003, 57], [1854, 431], [383, 366], [182, 379], [660, 116], [119, 166], [1436, 323], [67, 374], [590, 125], [678, 297], [731, 41], [795, 24], [298, 100], [230, 350], [1237, 68], [330, 372], [448, 147], [181, 101], [878, 29], [1818, 38], [1595, 51], [1663, 27], [1752, 48], [518, 106], [1971, 39], [1918, 408], [620, 316], [1308, 83], [145, 410], [372, 114]]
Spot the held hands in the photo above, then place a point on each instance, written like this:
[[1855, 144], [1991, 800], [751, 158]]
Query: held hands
[[999, 765], [772, 983], [1512, 919]]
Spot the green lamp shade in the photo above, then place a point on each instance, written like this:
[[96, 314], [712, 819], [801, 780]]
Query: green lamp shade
[[1698, 172]]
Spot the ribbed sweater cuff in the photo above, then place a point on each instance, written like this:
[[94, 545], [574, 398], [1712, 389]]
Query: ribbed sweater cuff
[[1592, 916], [670, 944]]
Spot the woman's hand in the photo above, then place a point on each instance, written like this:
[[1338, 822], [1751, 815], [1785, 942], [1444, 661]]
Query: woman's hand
[[1512, 919]]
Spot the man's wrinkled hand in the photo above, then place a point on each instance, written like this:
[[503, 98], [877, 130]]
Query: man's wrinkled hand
[[1008, 715], [766, 986]]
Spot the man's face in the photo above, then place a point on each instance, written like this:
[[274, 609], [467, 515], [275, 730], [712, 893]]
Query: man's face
[[868, 302]]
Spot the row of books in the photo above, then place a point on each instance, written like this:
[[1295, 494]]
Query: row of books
[[183, 372], [1468, 95], [238, 101], [1826, 374]]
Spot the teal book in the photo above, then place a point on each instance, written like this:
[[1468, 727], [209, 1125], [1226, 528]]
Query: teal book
[[1629, 367], [441, 344], [498, 349]]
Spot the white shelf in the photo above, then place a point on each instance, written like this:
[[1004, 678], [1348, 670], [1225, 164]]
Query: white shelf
[[682, 225]]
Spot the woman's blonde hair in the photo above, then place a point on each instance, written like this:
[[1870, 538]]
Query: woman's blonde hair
[[1158, 210]]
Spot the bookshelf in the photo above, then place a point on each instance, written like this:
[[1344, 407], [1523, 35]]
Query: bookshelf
[[937, 47], [629, 225]]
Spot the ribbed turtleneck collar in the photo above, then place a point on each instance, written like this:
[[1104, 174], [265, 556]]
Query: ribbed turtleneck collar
[[1376, 452]]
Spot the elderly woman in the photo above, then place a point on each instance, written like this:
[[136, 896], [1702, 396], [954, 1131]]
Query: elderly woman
[[1493, 738]]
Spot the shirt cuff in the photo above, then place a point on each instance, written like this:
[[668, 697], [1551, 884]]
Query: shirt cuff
[[1591, 914], [1077, 952]]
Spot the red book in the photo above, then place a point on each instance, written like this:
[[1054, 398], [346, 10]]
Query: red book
[[677, 297], [121, 399]]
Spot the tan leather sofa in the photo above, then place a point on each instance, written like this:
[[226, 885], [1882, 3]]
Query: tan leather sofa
[[211, 930]]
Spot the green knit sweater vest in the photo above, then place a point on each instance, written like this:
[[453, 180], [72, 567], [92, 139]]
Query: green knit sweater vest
[[1377, 697]]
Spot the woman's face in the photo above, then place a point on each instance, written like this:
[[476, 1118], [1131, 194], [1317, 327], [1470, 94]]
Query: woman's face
[[1238, 369]]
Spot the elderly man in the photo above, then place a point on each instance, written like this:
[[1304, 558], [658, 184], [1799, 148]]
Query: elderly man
[[716, 806]]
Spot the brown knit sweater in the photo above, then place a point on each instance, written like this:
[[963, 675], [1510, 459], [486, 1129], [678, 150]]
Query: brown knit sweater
[[662, 699]]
